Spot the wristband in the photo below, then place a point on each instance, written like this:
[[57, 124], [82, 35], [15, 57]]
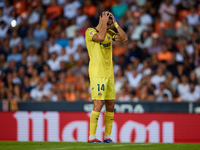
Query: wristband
[[116, 25]]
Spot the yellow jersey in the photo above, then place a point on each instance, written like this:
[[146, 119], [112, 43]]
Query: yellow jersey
[[100, 53]]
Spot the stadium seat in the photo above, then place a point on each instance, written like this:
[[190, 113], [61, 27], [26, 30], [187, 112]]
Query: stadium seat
[[183, 13]]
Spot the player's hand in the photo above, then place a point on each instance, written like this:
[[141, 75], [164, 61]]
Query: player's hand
[[105, 17], [113, 18]]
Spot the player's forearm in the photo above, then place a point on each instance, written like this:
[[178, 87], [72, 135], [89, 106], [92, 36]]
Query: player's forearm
[[122, 34], [102, 32]]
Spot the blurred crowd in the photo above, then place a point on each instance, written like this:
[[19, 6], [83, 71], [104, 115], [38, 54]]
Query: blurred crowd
[[43, 56]]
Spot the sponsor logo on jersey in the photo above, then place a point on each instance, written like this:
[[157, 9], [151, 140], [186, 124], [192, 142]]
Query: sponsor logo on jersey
[[108, 37], [106, 45], [91, 32], [99, 94]]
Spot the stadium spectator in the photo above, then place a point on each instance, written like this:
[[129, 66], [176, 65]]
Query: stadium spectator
[[2, 16], [39, 33], [23, 28], [63, 56], [137, 64], [17, 93], [70, 9], [134, 51], [3, 63], [71, 48], [14, 20], [70, 94], [145, 40], [134, 78], [31, 57], [7, 8], [146, 70], [118, 49], [53, 11], [193, 18], [197, 87], [143, 93], [78, 39], [119, 9], [155, 47], [53, 93], [62, 41], [81, 17], [167, 11], [53, 46], [29, 40], [26, 87], [61, 83], [191, 95], [123, 95], [15, 40], [80, 54], [119, 80], [79, 67], [192, 77], [171, 31], [39, 94], [158, 78], [188, 47], [197, 70], [32, 16], [165, 98], [14, 55], [165, 54], [184, 30], [3, 29], [34, 80], [145, 19], [180, 54], [47, 83], [71, 63], [89, 9], [159, 93], [54, 62], [183, 87]]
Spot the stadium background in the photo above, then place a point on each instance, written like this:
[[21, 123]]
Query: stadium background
[[43, 60]]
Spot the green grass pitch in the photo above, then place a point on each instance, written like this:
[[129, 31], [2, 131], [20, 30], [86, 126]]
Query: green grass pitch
[[95, 146]]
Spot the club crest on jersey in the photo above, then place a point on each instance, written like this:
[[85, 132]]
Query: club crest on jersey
[[99, 94], [108, 37], [91, 33]]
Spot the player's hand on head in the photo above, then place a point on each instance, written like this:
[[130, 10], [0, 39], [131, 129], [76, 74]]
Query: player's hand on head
[[105, 17], [113, 18]]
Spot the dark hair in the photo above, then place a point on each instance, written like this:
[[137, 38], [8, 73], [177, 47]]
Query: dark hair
[[110, 18], [191, 82], [165, 95]]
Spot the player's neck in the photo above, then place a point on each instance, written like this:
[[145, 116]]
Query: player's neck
[[98, 27]]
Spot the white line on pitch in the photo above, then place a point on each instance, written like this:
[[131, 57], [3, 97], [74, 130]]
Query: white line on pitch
[[83, 147]]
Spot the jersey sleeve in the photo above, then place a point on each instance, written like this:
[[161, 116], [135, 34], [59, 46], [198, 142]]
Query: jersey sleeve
[[90, 32], [112, 34]]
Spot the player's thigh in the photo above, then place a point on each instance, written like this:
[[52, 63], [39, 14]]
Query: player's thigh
[[110, 91], [98, 88]]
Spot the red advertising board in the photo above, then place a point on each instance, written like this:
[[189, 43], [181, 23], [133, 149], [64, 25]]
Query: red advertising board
[[74, 126]]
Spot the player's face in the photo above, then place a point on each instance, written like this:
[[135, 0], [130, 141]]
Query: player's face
[[109, 23]]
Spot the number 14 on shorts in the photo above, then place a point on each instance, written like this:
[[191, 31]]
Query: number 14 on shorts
[[101, 87]]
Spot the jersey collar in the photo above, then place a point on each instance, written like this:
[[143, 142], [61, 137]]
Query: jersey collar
[[96, 29]]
